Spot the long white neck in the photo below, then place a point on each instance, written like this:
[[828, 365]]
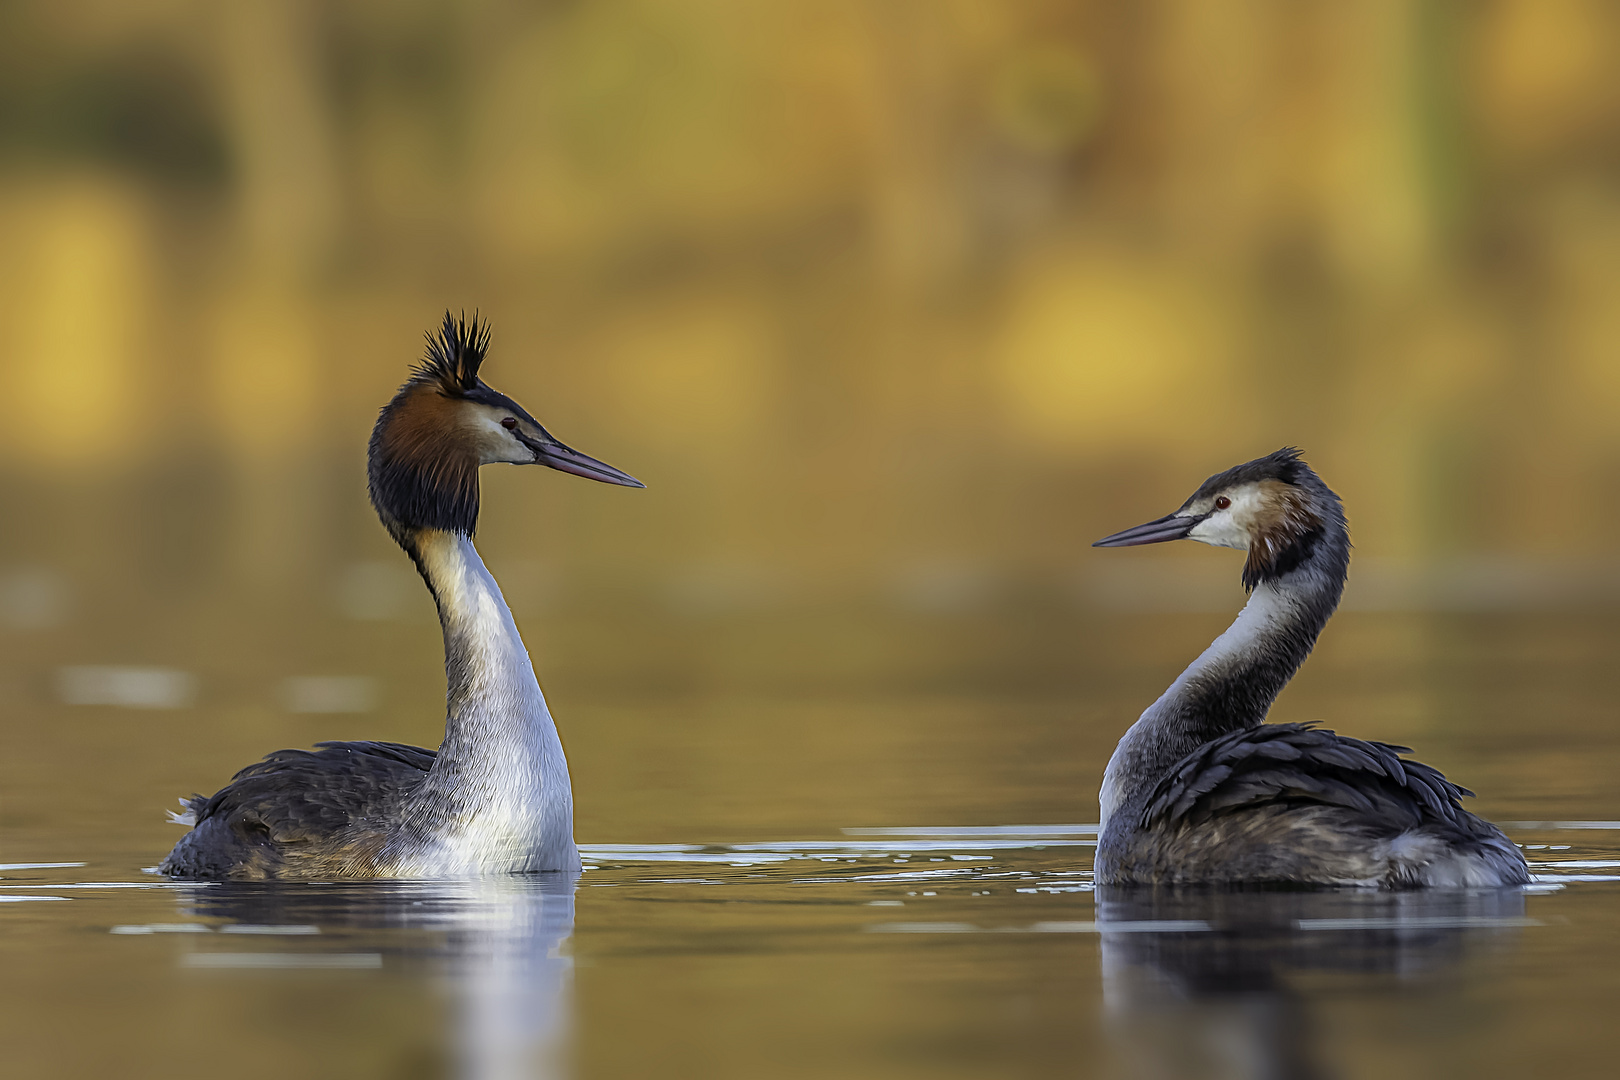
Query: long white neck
[[497, 799]]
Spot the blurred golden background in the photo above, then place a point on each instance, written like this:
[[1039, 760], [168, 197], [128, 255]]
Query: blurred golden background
[[855, 284], [895, 306]]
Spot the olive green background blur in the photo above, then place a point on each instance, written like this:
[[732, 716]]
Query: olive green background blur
[[895, 306]]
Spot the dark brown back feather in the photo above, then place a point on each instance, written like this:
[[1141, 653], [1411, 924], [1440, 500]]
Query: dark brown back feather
[[296, 808], [1299, 764]]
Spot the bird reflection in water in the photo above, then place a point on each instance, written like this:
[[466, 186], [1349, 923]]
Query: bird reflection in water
[[498, 942], [1216, 992]]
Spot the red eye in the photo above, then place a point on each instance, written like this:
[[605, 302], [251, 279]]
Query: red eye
[[510, 423], [1222, 503]]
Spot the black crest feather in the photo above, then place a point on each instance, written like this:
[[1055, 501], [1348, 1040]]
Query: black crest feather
[[420, 477], [454, 354]]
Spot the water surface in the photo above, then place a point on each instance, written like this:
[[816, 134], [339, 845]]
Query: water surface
[[883, 872]]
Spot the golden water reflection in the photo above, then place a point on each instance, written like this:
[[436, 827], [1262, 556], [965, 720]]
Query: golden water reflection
[[889, 952]]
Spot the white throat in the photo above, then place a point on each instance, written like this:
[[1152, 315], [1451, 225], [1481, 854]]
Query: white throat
[[497, 799]]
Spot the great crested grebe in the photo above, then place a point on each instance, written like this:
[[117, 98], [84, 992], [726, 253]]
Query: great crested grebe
[[495, 797], [1200, 791]]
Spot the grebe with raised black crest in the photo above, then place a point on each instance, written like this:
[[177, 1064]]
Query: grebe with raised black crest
[[495, 796]]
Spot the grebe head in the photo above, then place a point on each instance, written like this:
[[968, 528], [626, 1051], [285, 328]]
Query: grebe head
[[443, 424], [1275, 508]]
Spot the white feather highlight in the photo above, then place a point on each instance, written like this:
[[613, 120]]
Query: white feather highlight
[[514, 802]]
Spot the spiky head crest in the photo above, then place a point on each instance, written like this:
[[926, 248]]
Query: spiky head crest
[[422, 466], [454, 355]]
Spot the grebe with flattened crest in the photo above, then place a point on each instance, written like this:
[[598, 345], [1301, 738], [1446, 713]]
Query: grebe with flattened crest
[[495, 796], [1201, 791]]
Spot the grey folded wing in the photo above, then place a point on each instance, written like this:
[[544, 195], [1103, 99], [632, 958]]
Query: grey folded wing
[[297, 805], [1299, 764]]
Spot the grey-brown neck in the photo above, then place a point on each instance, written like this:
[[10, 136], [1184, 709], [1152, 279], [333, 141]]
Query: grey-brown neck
[[1233, 683]]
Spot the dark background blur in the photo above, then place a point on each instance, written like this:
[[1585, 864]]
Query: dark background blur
[[894, 306]]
